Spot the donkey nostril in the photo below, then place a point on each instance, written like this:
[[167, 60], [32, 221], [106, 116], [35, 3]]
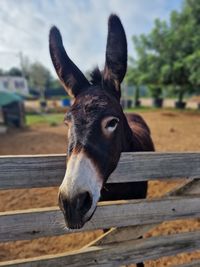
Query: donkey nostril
[[75, 208], [84, 202]]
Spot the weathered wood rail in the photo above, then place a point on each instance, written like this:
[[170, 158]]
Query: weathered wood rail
[[127, 219]]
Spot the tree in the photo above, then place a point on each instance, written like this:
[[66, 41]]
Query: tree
[[39, 77], [14, 72], [169, 55], [193, 64], [133, 78], [54, 84], [1, 72], [148, 63]]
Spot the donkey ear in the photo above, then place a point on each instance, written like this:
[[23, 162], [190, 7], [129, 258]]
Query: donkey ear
[[71, 77], [116, 56]]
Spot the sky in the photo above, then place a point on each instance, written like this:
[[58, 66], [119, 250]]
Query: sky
[[25, 27]]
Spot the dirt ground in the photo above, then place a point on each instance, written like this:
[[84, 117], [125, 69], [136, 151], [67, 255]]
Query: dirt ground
[[171, 131]]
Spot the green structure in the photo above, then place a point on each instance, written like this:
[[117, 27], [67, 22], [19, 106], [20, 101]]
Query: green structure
[[12, 108]]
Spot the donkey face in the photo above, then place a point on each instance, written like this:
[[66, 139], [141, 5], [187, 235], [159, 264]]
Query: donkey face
[[95, 124]]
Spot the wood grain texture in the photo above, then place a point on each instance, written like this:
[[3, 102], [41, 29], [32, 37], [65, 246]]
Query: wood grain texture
[[190, 188], [117, 235], [134, 232], [48, 170], [117, 254], [189, 264], [30, 224], [31, 171]]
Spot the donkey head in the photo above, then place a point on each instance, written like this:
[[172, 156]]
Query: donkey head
[[95, 124]]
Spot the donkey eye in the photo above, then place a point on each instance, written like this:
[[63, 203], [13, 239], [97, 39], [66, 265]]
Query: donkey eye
[[112, 123], [109, 124]]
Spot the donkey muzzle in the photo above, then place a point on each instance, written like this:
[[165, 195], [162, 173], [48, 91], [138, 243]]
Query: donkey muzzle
[[74, 209]]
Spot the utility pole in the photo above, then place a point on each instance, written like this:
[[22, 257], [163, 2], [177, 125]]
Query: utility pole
[[21, 59]]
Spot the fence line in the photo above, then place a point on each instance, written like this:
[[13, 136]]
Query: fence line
[[131, 219], [126, 252], [30, 224], [43, 171]]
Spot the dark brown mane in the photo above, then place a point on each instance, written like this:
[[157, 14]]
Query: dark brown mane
[[96, 76]]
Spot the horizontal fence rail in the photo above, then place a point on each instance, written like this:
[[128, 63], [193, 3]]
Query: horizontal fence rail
[[46, 171], [117, 254], [34, 223]]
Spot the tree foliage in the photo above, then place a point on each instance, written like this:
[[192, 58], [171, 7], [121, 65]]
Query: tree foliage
[[169, 56], [39, 76]]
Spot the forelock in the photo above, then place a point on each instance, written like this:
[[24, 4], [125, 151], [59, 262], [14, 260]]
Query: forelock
[[96, 77]]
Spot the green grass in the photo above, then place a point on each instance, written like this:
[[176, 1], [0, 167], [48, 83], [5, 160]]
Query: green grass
[[140, 109], [51, 119], [54, 119]]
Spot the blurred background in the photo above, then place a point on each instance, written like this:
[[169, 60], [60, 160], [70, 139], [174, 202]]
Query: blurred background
[[162, 84]]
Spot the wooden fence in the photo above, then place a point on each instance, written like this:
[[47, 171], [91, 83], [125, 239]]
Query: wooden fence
[[127, 220]]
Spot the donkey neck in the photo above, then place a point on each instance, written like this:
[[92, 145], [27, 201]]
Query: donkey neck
[[137, 137], [127, 137]]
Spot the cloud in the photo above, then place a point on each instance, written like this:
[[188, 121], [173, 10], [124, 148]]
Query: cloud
[[83, 24]]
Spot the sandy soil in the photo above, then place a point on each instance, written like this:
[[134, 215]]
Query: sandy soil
[[171, 131]]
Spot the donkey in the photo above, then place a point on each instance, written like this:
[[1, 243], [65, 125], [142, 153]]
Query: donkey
[[98, 130]]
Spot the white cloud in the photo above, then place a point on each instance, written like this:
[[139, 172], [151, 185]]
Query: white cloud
[[25, 25]]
